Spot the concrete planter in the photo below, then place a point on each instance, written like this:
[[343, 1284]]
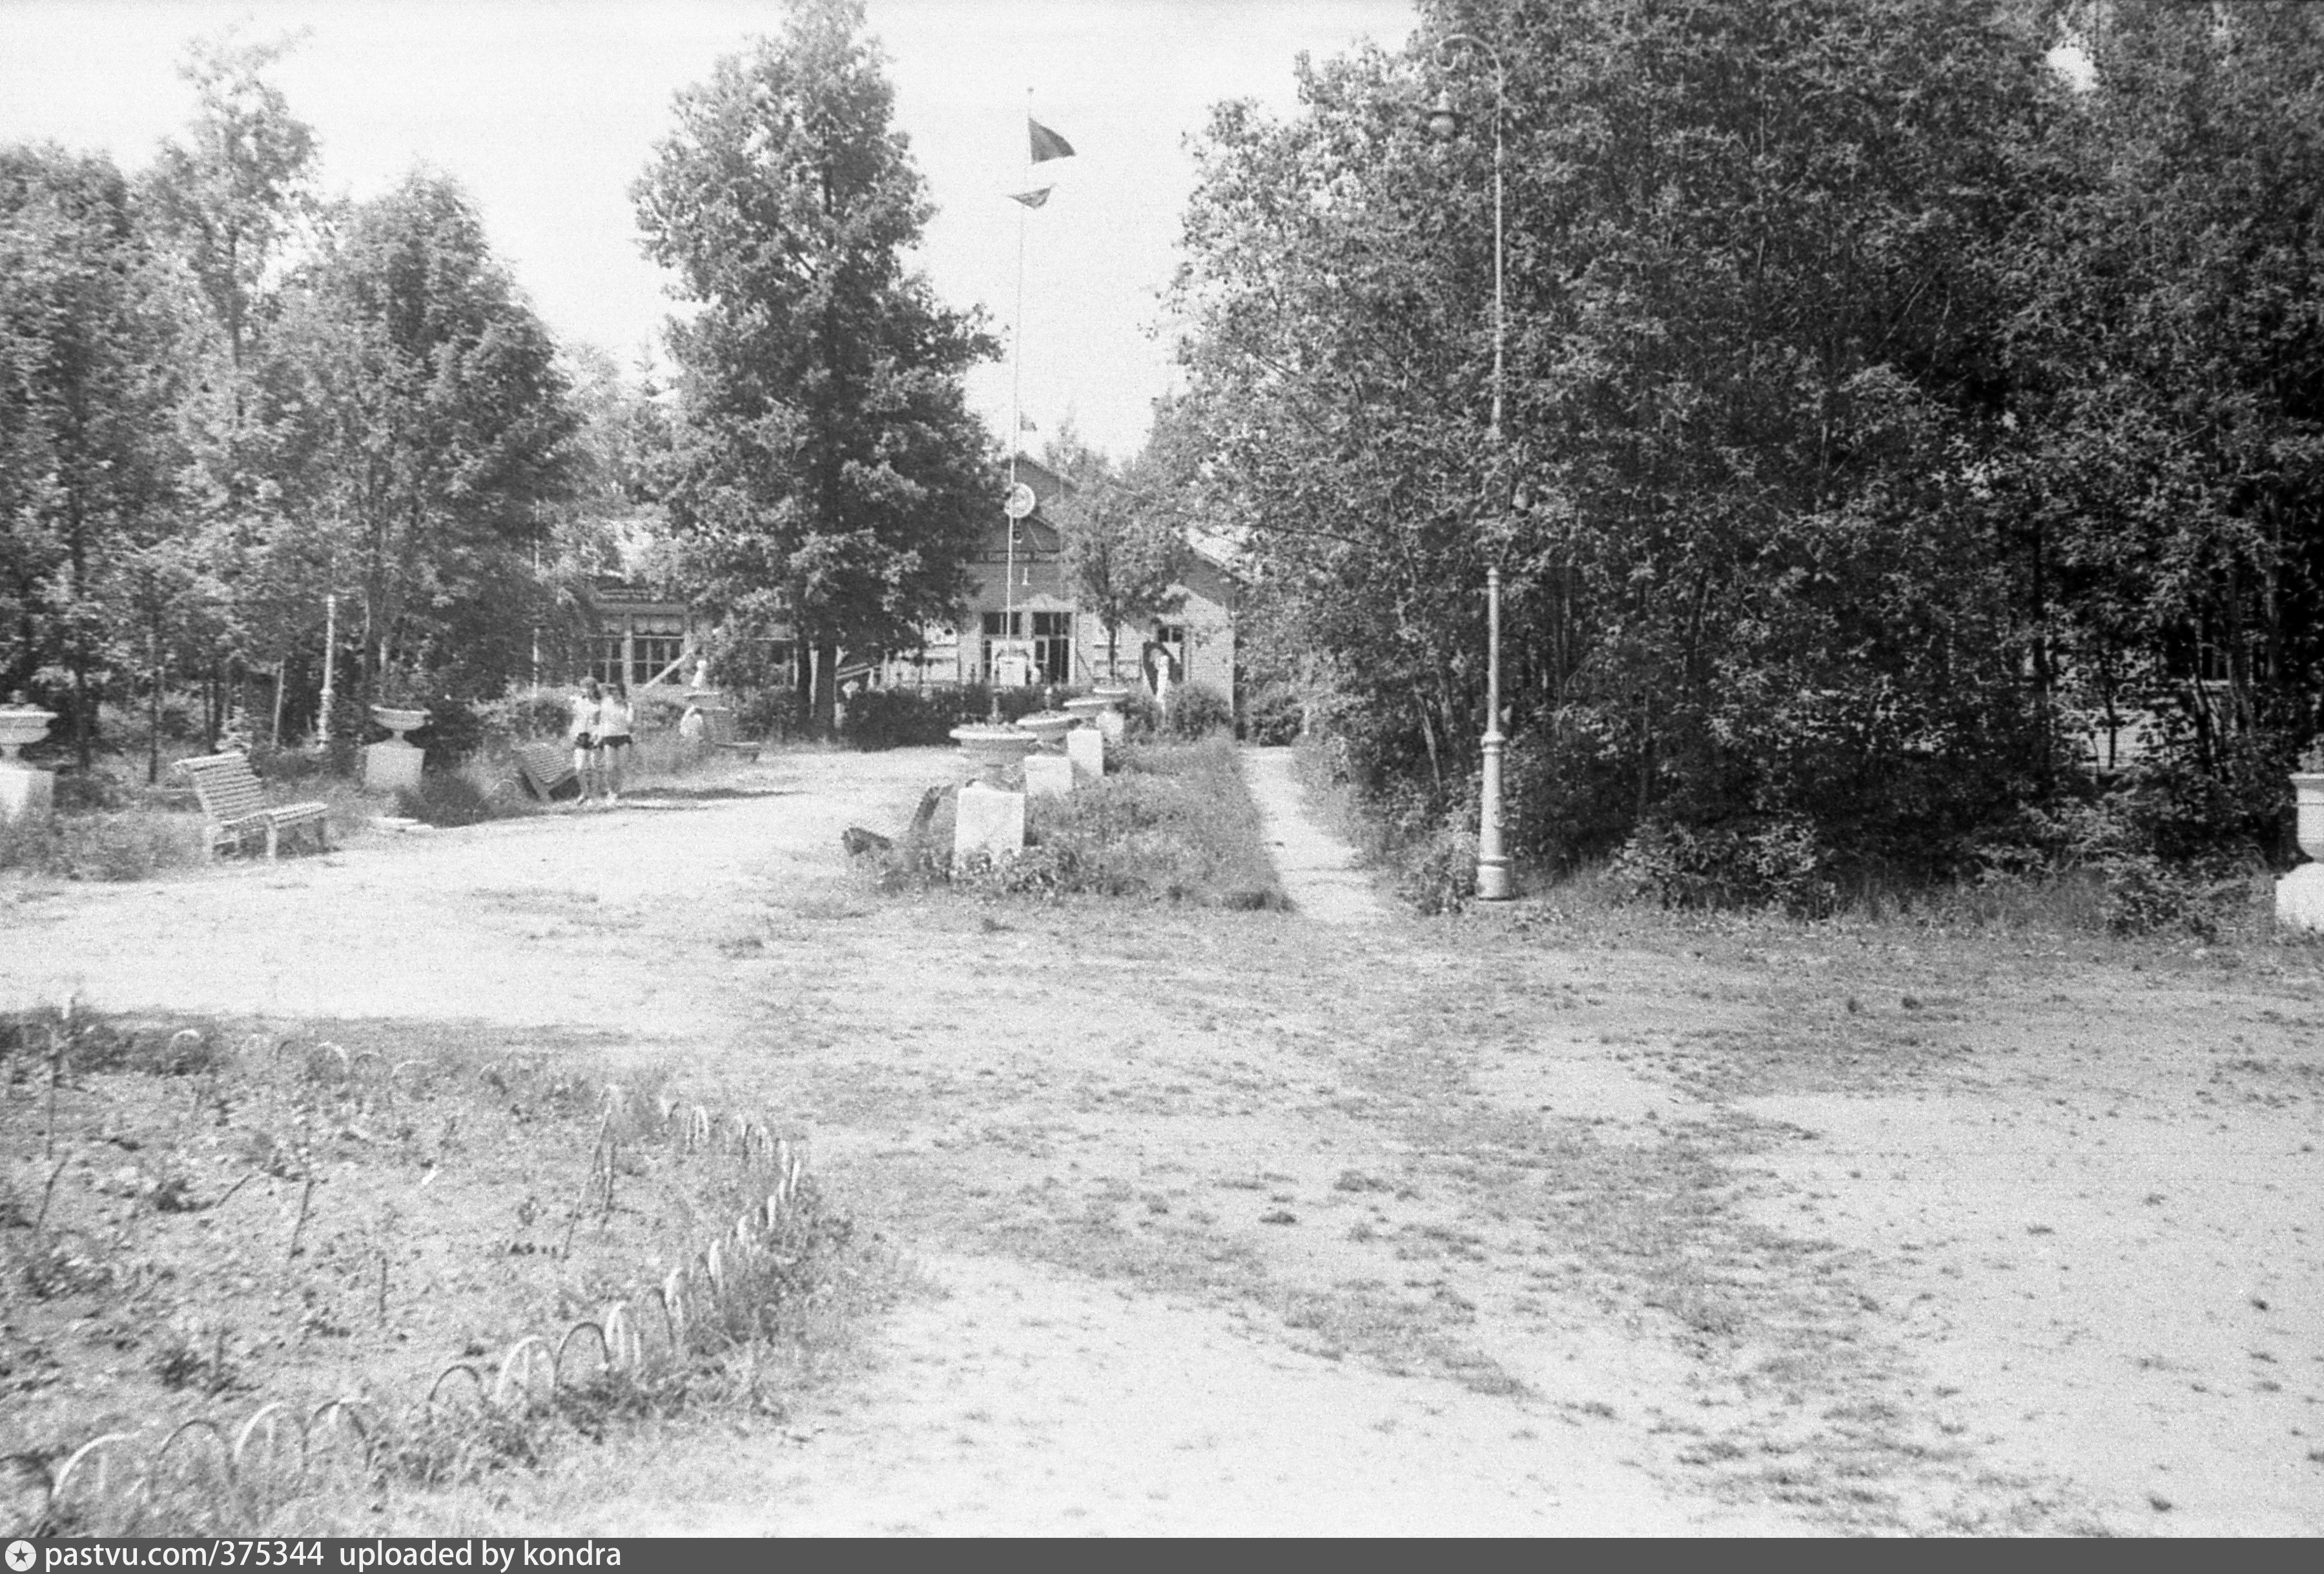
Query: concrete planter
[[2308, 802], [995, 754], [1050, 726], [393, 765], [27, 792], [22, 726], [2300, 895], [398, 720]]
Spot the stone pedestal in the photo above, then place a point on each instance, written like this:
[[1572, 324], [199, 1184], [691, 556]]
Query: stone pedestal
[[1085, 750], [389, 766], [26, 793], [709, 719], [2299, 899], [1048, 775], [990, 821], [1110, 726]]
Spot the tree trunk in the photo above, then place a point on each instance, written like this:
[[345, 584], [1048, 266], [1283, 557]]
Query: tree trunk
[[153, 706], [82, 741]]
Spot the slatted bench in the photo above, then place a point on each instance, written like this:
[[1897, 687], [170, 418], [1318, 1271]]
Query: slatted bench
[[545, 772], [235, 804]]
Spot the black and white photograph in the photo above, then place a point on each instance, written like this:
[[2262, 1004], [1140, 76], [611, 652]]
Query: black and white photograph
[[1157, 768]]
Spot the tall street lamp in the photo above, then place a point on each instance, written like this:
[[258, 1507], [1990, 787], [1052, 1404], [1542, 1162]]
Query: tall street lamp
[[1445, 125]]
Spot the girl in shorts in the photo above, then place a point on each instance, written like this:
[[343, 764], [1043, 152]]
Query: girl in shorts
[[583, 733], [613, 738]]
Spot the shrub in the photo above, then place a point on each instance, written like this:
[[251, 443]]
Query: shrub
[[1196, 710], [452, 733], [1142, 717], [78, 792], [526, 716], [900, 718], [1273, 716], [657, 710], [1774, 863], [127, 845], [1439, 874], [288, 765]]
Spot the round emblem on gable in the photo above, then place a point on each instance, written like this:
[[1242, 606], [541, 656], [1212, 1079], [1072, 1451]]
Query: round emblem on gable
[[1020, 500]]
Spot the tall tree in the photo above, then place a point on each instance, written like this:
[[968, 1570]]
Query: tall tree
[[826, 473], [2168, 458], [428, 427], [1125, 546], [1752, 314], [83, 454], [228, 204]]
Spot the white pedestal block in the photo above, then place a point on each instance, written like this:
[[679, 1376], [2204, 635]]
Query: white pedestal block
[[990, 821], [2299, 899], [393, 765], [1048, 775], [1085, 750], [26, 793]]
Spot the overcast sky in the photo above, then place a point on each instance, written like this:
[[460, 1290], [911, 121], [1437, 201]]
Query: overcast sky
[[547, 110]]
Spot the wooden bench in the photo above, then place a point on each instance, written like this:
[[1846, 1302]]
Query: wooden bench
[[235, 804], [546, 771]]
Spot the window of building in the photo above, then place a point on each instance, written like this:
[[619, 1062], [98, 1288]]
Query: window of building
[[651, 654]]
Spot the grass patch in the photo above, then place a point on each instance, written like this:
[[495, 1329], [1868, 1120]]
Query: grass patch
[[1173, 822], [198, 1220]]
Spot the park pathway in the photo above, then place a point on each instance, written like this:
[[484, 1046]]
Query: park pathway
[[1318, 869]]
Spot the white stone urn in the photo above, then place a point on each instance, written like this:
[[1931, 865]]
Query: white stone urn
[[27, 792], [399, 720], [994, 754], [2308, 804], [20, 725], [1111, 722], [1050, 726], [1086, 708]]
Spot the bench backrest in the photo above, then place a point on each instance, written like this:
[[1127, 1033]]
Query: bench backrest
[[227, 787]]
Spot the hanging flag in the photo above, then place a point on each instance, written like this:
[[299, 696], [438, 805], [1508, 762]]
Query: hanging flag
[[1047, 144], [1033, 198]]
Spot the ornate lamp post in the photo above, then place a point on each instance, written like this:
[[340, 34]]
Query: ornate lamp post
[[1445, 125]]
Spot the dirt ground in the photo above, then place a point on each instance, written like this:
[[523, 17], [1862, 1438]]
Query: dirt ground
[[1340, 1220]]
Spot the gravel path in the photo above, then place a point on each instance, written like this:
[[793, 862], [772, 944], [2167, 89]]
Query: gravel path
[[1318, 869]]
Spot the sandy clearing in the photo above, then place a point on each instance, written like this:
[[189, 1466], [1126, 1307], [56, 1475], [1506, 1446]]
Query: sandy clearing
[[1084, 1123], [722, 930], [2122, 1290], [1032, 1403]]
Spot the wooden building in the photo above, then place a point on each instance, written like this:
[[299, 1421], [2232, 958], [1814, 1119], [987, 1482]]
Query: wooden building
[[638, 637], [1055, 640]]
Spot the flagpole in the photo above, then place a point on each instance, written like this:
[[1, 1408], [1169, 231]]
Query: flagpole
[[1016, 418]]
